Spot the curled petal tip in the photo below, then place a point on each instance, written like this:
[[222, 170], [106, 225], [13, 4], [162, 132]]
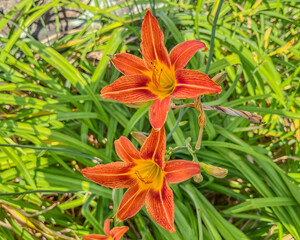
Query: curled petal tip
[[219, 89], [205, 49], [148, 12]]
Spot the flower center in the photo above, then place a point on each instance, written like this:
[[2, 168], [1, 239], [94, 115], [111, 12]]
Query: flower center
[[163, 79], [148, 173]]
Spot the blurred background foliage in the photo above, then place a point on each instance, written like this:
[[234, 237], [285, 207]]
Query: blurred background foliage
[[53, 122]]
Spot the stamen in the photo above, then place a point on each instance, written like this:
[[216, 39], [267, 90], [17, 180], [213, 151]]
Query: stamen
[[162, 79], [161, 70], [152, 175], [145, 180], [155, 72], [154, 80], [149, 175]]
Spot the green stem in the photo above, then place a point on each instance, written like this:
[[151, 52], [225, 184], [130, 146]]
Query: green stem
[[213, 33]]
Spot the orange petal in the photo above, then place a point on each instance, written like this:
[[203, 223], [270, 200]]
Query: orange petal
[[152, 44], [125, 150], [155, 147], [192, 83], [132, 201], [183, 52], [129, 89], [180, 170], [94, 237], [160, 206], [113, 175], [118, 232], [106, 227], [128, 64], [158, 112]]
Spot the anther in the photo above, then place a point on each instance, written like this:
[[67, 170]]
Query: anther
[[145, 180]]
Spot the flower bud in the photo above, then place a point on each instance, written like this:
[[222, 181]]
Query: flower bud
[[220, 77], [217, 172], [138, 104], [139, 136]]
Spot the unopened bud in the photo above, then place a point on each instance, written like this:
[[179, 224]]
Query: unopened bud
[[139, 136], [217, 172], [198, 178], [220, 77], [138, 104]]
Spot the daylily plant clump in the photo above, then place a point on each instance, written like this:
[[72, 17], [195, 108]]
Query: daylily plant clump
[[156, 78]]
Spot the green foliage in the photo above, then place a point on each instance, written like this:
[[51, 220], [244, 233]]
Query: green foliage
[[53, 123]]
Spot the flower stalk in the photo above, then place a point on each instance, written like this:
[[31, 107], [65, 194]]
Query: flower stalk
[[201, 120]]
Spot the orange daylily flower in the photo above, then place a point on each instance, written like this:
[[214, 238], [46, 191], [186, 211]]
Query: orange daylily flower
[[147, 176], [115, 234], [159, 76]]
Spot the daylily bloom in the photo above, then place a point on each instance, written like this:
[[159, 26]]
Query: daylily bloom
[[115, 234], [147, 176], [159, 76]]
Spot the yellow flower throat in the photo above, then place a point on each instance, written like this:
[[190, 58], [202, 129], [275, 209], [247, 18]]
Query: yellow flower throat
[[162, 79], [148, 174]]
